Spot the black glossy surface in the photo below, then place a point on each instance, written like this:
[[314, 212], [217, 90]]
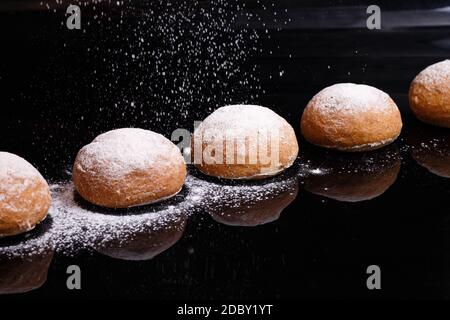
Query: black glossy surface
[[318, 247]]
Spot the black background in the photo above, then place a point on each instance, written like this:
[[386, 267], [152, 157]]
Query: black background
[[319, 248]]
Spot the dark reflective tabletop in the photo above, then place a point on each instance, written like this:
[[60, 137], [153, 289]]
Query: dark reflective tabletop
[[310, 232]]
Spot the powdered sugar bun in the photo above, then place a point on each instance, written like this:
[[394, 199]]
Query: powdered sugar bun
[[429, 94], [249, 142], [24, 195], [128, 167], [351, 117]]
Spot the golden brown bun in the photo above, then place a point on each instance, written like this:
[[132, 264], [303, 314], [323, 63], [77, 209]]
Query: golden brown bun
[[352, 177], [24, 195], [24, 274], [268, 143], [351, 117], [430, 148], [247, 210], [429, 94], [144, 242], [128, 167]]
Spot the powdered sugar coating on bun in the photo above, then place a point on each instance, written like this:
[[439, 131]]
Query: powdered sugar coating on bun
[[351, 117], [129, 167]]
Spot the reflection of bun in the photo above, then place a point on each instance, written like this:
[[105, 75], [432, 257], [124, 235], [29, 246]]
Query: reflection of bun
[[430, 148], [353, 178], [23, 274], [25, 259], [142, 242], [248, 210], [24, 195], [429, 95], [351, 117], [128, 167], [263, 144], [434, 160]]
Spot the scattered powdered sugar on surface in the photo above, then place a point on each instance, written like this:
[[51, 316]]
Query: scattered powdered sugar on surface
[[318, 171], [123, 151], [435, 74], [309, 168], [232, 195], [28, 245], [76, 226], [350, 98]]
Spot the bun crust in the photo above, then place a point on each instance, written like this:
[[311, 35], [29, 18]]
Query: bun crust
[[429, 95], [24, 195], [129, 167], [350, 117]]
